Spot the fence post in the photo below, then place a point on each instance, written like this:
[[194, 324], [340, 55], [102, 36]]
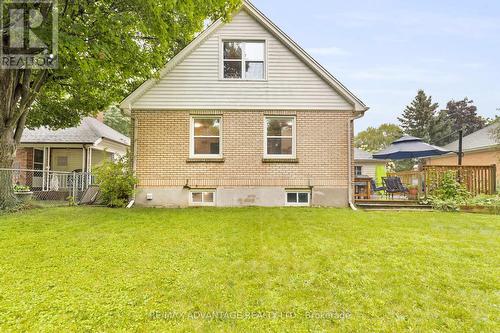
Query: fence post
[[493, 179], [73, 190]]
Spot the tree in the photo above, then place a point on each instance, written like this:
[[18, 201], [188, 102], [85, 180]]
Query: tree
[[495, 131], [418, 117], [377, 138], [463, 116], [114, 118], [105, 49], [441, 132]]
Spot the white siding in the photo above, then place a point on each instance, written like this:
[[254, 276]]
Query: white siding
[[367, 169], [194, 83]]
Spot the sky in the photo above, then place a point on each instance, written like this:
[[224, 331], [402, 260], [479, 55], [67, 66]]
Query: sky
[[384, 51]]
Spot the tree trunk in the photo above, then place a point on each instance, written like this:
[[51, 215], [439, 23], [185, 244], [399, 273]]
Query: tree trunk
[[7, 156], [18, 90]]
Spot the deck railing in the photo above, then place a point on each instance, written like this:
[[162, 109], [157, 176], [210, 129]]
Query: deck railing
[[477, 179]]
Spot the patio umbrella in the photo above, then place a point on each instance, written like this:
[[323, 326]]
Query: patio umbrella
[[409, 147]]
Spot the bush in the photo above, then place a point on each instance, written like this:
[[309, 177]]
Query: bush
[[483, 200], [449, 195], [116, 182]]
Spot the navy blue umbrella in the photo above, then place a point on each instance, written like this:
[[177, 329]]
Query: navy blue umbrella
[[409, 147]]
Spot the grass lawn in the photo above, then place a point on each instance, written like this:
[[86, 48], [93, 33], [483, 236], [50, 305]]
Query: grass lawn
[[251, 269]]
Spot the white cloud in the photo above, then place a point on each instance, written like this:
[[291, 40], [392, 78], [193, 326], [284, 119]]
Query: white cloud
[[331, 50]]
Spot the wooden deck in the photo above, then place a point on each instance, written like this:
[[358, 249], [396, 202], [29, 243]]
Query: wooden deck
[[397, 204]]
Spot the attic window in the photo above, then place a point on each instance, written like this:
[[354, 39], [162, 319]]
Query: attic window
[[244, 60]]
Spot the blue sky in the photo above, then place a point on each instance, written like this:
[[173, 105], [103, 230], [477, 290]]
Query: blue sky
[[385, 50]]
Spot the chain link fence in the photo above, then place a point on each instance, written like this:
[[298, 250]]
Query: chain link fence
[[47, 188]]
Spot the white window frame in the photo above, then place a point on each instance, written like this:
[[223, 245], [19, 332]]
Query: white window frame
[[301, 204], [192, 154], [356, 167], [202, 191], [293, 137], [243, 60]]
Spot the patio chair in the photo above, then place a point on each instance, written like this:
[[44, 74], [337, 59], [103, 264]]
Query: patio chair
[[403, 189], [374, 187], [391, 186]]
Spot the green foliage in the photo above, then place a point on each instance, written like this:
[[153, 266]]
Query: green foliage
[[116, 182], [114, 118], [418, 117], [448, 194], [495, 131], [489, 201], [374, 139], [108, 48], [21, 188], [463, 116], [109, 270]]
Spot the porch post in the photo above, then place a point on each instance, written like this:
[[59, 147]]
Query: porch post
[[89, 165], [83, 167]]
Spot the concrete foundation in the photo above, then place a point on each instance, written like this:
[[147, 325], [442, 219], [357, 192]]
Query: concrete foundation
[[174, 197]]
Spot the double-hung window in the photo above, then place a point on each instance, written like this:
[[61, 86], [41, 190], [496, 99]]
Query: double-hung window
[[206, 137], [244, 60], [279, 137]]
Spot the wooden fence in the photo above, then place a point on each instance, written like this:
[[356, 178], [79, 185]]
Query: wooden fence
[[477, 179]]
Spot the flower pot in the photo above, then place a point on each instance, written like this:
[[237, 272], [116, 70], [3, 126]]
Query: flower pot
[[413, 194], [23, 196]]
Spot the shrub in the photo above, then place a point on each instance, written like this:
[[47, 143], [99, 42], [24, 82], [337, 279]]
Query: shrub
[[449, 194], [116, 182], [483, 200], [21, 188]]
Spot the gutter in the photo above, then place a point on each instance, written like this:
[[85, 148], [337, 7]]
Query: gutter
[[349, 155]]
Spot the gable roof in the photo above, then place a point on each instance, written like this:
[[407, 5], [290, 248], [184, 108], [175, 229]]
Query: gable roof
[[89, 131], [364, 156], [358, 105], [482, 139]]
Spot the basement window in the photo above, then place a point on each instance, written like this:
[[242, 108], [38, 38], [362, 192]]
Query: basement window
[[298, 198], [202, 198]]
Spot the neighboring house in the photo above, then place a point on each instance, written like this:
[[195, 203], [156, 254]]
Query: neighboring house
[[365, 164], [76, 149], [480, 148], [243, 116]]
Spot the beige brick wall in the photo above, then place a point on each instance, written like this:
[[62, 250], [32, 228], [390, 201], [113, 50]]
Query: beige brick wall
[[162, 151], [489, 157]]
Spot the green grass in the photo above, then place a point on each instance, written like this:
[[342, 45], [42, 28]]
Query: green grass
[[252, 269]]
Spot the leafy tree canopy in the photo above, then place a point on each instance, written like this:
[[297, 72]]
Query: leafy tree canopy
[[114, 118], [463, 115], [377, 138]]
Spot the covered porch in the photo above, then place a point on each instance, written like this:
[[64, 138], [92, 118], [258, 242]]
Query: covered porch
[[55, 166]]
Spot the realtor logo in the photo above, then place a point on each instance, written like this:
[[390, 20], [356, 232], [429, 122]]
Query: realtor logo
[[29, 34]]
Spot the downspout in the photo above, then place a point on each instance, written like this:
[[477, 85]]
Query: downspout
[[349, 157], [134, 153]]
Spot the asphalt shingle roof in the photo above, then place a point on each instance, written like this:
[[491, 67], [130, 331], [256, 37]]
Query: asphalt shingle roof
[[478, 140], [362, 155], [89, 131]]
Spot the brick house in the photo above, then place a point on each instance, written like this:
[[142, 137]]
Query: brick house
[[243, 116], [479, 148]]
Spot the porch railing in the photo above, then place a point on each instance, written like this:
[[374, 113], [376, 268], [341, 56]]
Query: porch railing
[[476, 179], [50, 186]]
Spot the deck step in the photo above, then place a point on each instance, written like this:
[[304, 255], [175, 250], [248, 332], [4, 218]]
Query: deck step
[[392, 206]]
